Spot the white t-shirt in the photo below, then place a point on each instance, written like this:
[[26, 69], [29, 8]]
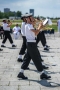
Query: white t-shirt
[[23, 29], [28, 32], [16, 29], [5, 27]]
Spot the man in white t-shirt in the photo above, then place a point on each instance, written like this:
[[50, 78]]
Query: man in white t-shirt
[[6, 28], [16, 31], [23, 48], [32, 50]]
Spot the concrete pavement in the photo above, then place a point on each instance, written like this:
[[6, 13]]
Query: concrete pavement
[[9, 67]]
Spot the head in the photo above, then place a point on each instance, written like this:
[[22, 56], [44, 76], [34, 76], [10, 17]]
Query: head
[[4, 21], [28, 20], [8, 21], [23, 18], [16, 25], [29, 17]]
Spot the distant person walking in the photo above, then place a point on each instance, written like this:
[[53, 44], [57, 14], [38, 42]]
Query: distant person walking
[[16, 31], [6, 26], [58, 25]]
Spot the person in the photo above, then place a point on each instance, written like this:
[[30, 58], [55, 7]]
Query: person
[[16, 31], [58, 25], [6, 28], [23, 48], [41, 37], [26, 56], [32, 50]]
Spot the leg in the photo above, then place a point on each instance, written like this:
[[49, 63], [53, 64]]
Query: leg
[[23, 48], [4, 39], [37, 63], [22, 51], [25, 64], [26, 61], [42, 38], [32, 49], [10, 38]]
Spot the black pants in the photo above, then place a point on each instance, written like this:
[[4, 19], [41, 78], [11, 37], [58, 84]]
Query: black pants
[[26, 61], [7, 36], [32, 53], [41, 37], [23, 48], [27, 58]]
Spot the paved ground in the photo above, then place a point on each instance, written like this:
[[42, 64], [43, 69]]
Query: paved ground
[[9, 67]]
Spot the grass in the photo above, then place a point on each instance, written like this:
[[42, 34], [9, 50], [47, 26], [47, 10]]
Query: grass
[[14, 25], [54, 25]]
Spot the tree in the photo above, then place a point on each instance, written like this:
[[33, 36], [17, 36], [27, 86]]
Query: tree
[[1, 15], [5, 15], [18, 13]]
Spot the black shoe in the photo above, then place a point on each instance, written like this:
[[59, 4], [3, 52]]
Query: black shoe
[[46, 49], [1, 49], [44, 76], [13, 45], [3, 46], [44, 67], [19, 60], [21, 75]]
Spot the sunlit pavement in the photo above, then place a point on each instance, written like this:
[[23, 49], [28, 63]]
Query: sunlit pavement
[[9, 67]]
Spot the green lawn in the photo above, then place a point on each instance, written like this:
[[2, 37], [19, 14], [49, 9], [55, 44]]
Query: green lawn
[[14, 25], [54, 25]]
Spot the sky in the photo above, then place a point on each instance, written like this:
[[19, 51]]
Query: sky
[[46, 8]]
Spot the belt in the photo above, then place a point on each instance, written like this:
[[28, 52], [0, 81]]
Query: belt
[[31, 40]]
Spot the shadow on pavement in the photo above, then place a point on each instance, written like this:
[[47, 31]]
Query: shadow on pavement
[[44, 83], [12, 47]]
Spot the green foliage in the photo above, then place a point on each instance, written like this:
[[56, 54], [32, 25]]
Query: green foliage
[[1, 15], [18, 14], [8, 14]]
